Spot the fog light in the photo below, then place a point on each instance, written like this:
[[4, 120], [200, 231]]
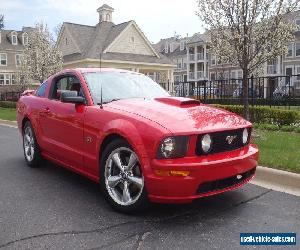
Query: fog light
[[172, 173]]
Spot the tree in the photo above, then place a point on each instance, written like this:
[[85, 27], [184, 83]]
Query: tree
[[1, 22], [248, 32], [40, 58]]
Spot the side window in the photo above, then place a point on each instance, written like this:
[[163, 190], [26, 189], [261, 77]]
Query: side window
[[42, 90], [66, 83]]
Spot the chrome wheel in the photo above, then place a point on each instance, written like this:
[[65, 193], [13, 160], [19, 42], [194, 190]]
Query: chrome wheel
[[28, 139], [123, 177]]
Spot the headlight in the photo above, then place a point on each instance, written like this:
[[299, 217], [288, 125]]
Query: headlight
[[206, 143], [173, 147], [245, 136]]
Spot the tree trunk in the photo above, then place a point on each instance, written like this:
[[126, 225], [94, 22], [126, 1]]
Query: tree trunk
[[245, 95]]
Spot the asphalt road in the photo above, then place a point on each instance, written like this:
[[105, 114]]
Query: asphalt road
[[52, 208]]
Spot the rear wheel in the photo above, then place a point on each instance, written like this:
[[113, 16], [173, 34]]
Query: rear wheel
[[31, 149], [122, 179]]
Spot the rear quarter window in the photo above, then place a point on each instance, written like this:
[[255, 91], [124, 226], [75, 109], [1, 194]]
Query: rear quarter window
[[41, 91]]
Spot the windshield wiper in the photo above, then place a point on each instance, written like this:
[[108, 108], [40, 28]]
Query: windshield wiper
[[112, 100]]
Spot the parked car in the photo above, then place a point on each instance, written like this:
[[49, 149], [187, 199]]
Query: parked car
[[121, 129]]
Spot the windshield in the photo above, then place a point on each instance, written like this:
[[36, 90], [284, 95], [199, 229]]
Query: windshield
[[122, 85]]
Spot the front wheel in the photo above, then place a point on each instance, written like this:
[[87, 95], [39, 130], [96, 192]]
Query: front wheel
[[122, 178], [31, 149]]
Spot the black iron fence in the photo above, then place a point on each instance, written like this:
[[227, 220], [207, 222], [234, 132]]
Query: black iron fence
[[10, 96], [281, 91]]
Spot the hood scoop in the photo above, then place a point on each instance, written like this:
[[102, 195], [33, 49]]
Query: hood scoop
[[178, 101]]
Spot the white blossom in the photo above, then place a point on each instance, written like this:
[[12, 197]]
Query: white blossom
[[40, 58]]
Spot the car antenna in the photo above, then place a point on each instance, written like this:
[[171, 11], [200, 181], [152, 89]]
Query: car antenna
[[101, 94]]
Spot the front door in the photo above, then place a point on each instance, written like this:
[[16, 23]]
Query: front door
[[63, 123]]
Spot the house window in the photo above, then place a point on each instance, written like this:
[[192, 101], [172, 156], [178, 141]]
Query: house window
[[132, 39], [212, 76], [298, 72], [1, 79], [13, 79], [171, 47], [25, 39], [66, 41], [182, 45], [3, 59], [290, 50], [233, 75], [297, 49], [107, 17], [7, 79], [166, 48], [298, 24], [14, 40], [213, 59], [18, 59]]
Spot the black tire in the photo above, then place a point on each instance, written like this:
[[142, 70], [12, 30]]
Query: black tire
[[142, 201], [36, 159]]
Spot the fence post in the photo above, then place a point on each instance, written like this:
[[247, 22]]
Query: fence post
[[204, 91], [252, 90]]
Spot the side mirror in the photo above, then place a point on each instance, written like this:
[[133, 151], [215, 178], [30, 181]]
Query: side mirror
[[71, 97]]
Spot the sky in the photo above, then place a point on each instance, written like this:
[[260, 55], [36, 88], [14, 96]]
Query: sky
[[156, 18]]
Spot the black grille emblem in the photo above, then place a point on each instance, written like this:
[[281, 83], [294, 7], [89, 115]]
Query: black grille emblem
[[230, 138]]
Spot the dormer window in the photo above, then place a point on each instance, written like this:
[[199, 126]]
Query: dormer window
[[166, 48], [171, 47], [14, 39], [182, 45], [25, 39]]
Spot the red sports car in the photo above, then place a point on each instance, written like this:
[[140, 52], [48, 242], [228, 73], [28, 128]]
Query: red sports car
[[121, 129]]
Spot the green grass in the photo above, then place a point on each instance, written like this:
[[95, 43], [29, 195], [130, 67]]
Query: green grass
[[8, 114], [279, 150]]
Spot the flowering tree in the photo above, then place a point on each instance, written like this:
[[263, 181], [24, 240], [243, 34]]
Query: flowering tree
[[40, 57], [1, 22], [248, 32]]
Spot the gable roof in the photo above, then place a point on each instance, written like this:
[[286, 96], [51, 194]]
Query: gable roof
[[94, 40]]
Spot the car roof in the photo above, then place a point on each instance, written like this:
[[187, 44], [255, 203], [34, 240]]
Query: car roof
[[92, 70]]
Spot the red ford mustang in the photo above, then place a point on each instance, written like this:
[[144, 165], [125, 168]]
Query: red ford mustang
[[121, 129]]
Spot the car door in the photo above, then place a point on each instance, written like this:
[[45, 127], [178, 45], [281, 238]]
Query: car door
[[62, 123]]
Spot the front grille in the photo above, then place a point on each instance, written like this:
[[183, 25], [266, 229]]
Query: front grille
[[211, 186], [221, 144]]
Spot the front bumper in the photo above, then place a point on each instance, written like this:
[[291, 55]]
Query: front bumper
[[209, 175]]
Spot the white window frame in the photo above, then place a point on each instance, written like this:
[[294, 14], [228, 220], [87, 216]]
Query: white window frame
[[12, 39], [20, 57], [2, 77], [5, 59], [292, 46], [213, 58], [182, 45], [7, 77], [297, 69], [25, 39], [166, 48], [296, 49], [298, 25]]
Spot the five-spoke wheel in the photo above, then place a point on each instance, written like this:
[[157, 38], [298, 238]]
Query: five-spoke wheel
[[123, 177]]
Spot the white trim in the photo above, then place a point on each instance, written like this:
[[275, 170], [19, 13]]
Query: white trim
[[23, 38], [296, 49], [14, 34], [139, 31], [121, 62], [20, 55], [5, 60]]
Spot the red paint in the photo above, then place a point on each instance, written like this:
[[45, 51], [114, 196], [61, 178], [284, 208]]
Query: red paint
[[71, 135]]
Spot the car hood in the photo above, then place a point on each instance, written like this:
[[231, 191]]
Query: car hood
[[182, 115]]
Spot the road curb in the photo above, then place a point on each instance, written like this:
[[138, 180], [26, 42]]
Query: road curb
[[278, 180], [8, 123]]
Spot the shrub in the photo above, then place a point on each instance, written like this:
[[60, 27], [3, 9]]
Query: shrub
[[8, 104], [266, 114]]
